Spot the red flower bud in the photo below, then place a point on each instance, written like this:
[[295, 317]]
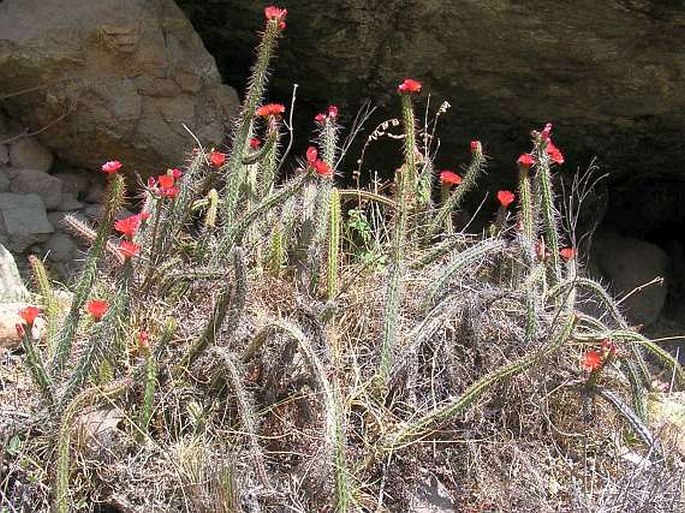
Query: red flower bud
[[97, 308], [505, 198], [449, 178], [409, 86]]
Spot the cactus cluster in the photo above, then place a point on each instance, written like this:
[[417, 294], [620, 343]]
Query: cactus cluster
[[232, 309]]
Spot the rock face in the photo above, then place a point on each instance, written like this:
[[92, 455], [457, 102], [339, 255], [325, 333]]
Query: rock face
[[108, 79], [629, 263], [609, 74]]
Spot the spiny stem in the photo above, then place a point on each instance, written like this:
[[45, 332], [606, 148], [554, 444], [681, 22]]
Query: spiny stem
[[526, 215], [50, 302], [255, 92], [411, 430], [333, 244], [468, 182], [548, 211], [35, 364], [227, 296], [115, 198]]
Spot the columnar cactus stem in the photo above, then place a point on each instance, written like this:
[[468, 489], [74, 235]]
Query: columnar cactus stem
[[235, 169], [476, 166], [548, 212], [115, 198], [526, 214], [333, 244]]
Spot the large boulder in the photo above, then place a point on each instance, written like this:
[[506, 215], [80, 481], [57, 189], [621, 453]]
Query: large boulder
[[627, 264], [608, 73], [110, 79]]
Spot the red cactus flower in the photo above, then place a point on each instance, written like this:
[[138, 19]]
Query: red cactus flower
[[592, 360], [29, 314], [20, 330], [111, 167], [270, 109], [165, 181], [217, 159], [312, 155], [176, 173], [128, 226], [568, 254], [322, 168], [476, 147], [505, 198], [554, 153], [449, 178], [409, 86], [547, 132], [526, 160], [277, 14], [128, 249], [97, 308], [320, 118], [255, 143], [333, 112]]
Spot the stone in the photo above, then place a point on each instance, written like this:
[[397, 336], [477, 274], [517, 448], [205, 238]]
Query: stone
[[9, 318], [95, 193], [61, 248], [4, 181], [431, 496], [627, 263], [121, 76], [69, 203], [11, 285], [23, 221], [75, 182], [48, 187], [4, 154], [28, 152]]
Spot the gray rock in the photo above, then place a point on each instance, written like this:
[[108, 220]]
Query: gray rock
[[28, 152], [23, 221], [95, 192], [11, 286], [69, 203], [75, 182], [4, 181], [94, 212], [4, 154], [137, 68], [48, 187], [55, 219], [432, 496], [629, 263], [61, 248]]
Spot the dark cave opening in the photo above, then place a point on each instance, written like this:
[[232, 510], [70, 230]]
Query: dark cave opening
[[652, 210]]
